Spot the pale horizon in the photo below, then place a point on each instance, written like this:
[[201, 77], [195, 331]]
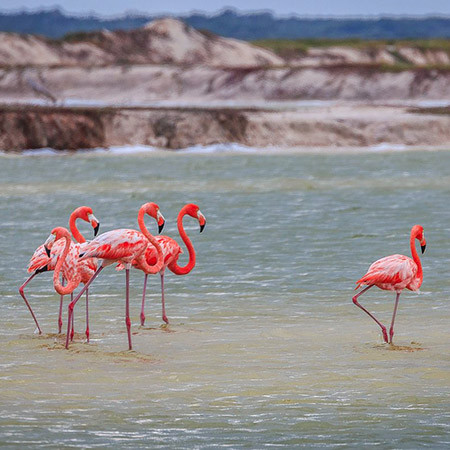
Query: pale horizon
[[321, 8]]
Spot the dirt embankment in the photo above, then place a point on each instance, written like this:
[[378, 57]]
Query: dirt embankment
[[75, 128], [144, 84]]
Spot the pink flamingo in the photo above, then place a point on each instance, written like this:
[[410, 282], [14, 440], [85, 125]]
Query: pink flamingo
[[42, 262], [124, 246], [171, 251], [394, 273]]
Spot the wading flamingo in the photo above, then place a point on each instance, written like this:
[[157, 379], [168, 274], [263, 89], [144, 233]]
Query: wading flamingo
[[42, 262], [171, 251], [123, 246], [394, 273]]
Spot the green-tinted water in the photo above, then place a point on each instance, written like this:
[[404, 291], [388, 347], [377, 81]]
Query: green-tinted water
[[265, 346]]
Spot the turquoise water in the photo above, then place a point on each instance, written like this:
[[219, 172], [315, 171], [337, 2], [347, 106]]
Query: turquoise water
[[265, 346]]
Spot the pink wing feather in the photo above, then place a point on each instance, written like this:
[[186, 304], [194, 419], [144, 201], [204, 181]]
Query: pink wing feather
[[394, 273], [116, 245], [170, 249]]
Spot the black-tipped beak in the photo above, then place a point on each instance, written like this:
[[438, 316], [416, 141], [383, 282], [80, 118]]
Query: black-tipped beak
[[47, 250], [161, 227], [202, 227], [42, 269], [423, 247], [96, 229]]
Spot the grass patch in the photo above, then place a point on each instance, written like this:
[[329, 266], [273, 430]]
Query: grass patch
[[281, 46], [441, 110]]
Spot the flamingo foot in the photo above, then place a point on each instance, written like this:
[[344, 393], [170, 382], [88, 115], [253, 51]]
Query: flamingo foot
[[60, 323], [142, 319], [165, 319], [128, 323], [385, 336], [87, 334], [391, 335], [72, 333]]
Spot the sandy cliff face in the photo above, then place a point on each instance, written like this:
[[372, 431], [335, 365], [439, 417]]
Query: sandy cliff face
[[388, 55], [166, 41], [170, 41], [73, 128], [142, 83]]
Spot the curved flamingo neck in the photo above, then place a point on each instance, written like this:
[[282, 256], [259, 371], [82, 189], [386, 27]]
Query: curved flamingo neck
[[174, 267], [74, 229], [415, 256], [72, 284], [160, 258]]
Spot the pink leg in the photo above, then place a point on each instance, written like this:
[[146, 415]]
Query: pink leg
[[164, 317], [22, 293], [391, 330], [72, 331], [87, 315], [127, 307], [60, 309], [143, 300], [355, 301], [73, 303], [60, 314]]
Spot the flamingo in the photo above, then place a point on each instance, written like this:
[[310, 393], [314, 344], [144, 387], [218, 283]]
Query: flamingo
[[42, 262], [124, 246], [394, 273], [171, 251]]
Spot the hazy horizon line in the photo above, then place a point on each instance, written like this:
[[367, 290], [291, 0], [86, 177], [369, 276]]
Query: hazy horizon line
[[136, 13]]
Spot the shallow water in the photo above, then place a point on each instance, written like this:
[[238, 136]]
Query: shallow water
[[265, 346]]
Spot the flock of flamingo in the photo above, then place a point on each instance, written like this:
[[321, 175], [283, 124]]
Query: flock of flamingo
[[78, 263]]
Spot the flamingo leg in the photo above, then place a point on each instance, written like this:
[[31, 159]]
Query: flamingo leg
[[73, 303], [60, 309], [60, 314], [391, 329], [127, 307], [143, 300], [164, 317], [87, 315], [355, 301], [22, 293], [72, 331]]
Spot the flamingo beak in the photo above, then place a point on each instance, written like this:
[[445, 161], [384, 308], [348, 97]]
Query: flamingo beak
[[201, 220], [48, 244], [95, 223], [161, 221], [423, 245]]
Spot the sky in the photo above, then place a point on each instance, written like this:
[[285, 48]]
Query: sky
[[280, 7]]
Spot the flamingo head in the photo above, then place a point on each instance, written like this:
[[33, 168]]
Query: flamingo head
[[56, 234], [193, 210], [417, 233], [152, 209], [85, 213]]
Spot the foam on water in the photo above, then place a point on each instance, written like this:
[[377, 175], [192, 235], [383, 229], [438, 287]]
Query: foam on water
[[221, 148], [386, 146]]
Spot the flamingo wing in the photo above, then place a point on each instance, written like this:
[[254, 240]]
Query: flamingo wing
[[116, 245], [393, 272], [170, 250], [38, 260]]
